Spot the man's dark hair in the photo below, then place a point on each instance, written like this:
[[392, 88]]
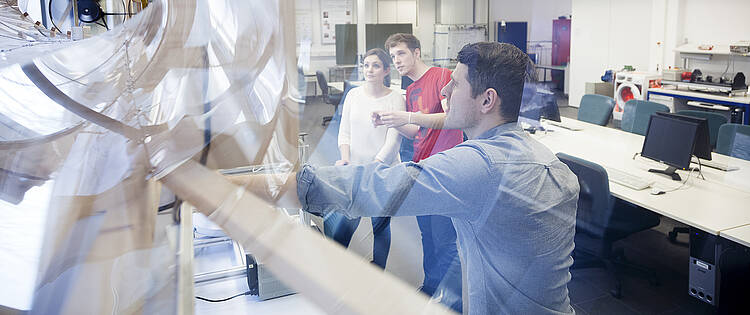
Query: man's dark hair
[[410, 40], [499, 66]]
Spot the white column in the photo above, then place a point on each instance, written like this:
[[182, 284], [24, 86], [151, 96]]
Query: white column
[[657, 36], [361, 21], [673, 33]]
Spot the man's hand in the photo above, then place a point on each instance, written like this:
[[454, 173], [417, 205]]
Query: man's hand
[[390, 119], [375, 118], [342, 162]]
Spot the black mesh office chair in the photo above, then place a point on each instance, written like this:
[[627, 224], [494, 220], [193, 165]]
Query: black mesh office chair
[[333, 99], [602, 220]]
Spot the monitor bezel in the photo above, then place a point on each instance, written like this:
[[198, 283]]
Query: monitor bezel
[[705, 154], [669, 163]]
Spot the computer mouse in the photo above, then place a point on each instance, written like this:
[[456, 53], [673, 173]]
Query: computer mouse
[[657, 191]]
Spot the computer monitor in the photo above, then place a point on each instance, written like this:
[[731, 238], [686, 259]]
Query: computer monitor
[[346, 44], [669, 140], [376, 34], [538, 102], [702, 146], [405, 82]]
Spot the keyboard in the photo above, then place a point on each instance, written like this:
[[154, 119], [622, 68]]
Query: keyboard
[[561, 125], [626, 179], [717, 165]]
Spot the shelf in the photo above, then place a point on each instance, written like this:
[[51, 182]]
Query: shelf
[[701, 86], [719, 50]]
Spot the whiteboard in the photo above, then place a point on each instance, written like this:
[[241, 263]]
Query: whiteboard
[[450, 38]]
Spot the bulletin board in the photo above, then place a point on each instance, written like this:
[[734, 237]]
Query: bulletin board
[[450, 38], [333, 12]]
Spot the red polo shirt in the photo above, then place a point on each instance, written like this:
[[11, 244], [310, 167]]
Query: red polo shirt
[[424, 96]]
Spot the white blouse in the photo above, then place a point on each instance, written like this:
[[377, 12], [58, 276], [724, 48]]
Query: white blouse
[[367, 142]]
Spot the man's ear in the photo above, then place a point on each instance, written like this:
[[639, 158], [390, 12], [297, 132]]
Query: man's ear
[[490, 100], [418, 53]]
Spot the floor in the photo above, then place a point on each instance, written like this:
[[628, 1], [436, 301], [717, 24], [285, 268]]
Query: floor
[[589, 288]]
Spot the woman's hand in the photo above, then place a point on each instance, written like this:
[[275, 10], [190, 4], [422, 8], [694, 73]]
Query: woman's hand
[[342, 162]]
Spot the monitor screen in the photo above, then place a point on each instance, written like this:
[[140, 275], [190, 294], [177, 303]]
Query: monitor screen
[[538, 102], [702, 147], [405, 82], [670, 140], [376, 34], [346, 44]]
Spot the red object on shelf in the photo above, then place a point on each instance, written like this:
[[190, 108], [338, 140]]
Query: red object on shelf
[[686, 76]]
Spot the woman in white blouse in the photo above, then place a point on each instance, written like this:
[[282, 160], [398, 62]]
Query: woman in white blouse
[[360, 143]]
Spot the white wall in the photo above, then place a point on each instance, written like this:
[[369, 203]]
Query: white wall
[[719, 22], [538, 13], [382, 11], [607, 34]]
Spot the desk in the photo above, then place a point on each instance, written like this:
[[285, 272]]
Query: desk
[[740, 235], [716, 204], [564, 69], [735, 101], [550, 67], [311, 78]]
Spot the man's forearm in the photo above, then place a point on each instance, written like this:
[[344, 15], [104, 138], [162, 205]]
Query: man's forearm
[[408, 131], [434, 121]]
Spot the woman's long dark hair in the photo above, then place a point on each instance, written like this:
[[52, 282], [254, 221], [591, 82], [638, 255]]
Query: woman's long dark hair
[[385, 59]]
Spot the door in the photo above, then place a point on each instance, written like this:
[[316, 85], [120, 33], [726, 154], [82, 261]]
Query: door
[[513, 33], [560, 49], [560, 42]]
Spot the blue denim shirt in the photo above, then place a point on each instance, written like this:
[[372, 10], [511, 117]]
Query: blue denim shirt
[[512, 202]]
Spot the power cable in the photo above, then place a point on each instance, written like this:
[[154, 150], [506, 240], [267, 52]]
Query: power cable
[[222, 300]]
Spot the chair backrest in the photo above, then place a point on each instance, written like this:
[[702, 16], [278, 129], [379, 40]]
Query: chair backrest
[[596, 109], [734, 140], [348, 86], [637, 113], [322, 83], [714, 122], [594, 202]]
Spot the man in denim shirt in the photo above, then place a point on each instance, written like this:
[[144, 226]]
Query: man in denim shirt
[[512, 202]]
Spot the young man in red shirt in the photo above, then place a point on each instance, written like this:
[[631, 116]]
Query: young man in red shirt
[[423, 122]]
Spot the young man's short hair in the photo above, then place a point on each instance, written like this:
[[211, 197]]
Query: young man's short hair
[[410, 40], [500, 66]]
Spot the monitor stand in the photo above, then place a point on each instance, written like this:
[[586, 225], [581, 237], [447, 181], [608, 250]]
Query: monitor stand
[[670, 171]]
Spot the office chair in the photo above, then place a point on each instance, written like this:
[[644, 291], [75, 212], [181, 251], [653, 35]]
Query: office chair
[[637, 113], [333, 99], [602, 219], [734, 140], [596, 109], [714, 122]]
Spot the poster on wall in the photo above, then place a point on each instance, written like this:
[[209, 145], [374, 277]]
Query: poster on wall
[[333, 12]]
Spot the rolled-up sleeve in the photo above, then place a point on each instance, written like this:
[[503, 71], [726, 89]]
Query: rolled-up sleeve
[[433, 186]]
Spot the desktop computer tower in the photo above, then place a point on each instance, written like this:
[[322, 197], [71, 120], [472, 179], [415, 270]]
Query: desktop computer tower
[[262, 282], [719, 272]]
